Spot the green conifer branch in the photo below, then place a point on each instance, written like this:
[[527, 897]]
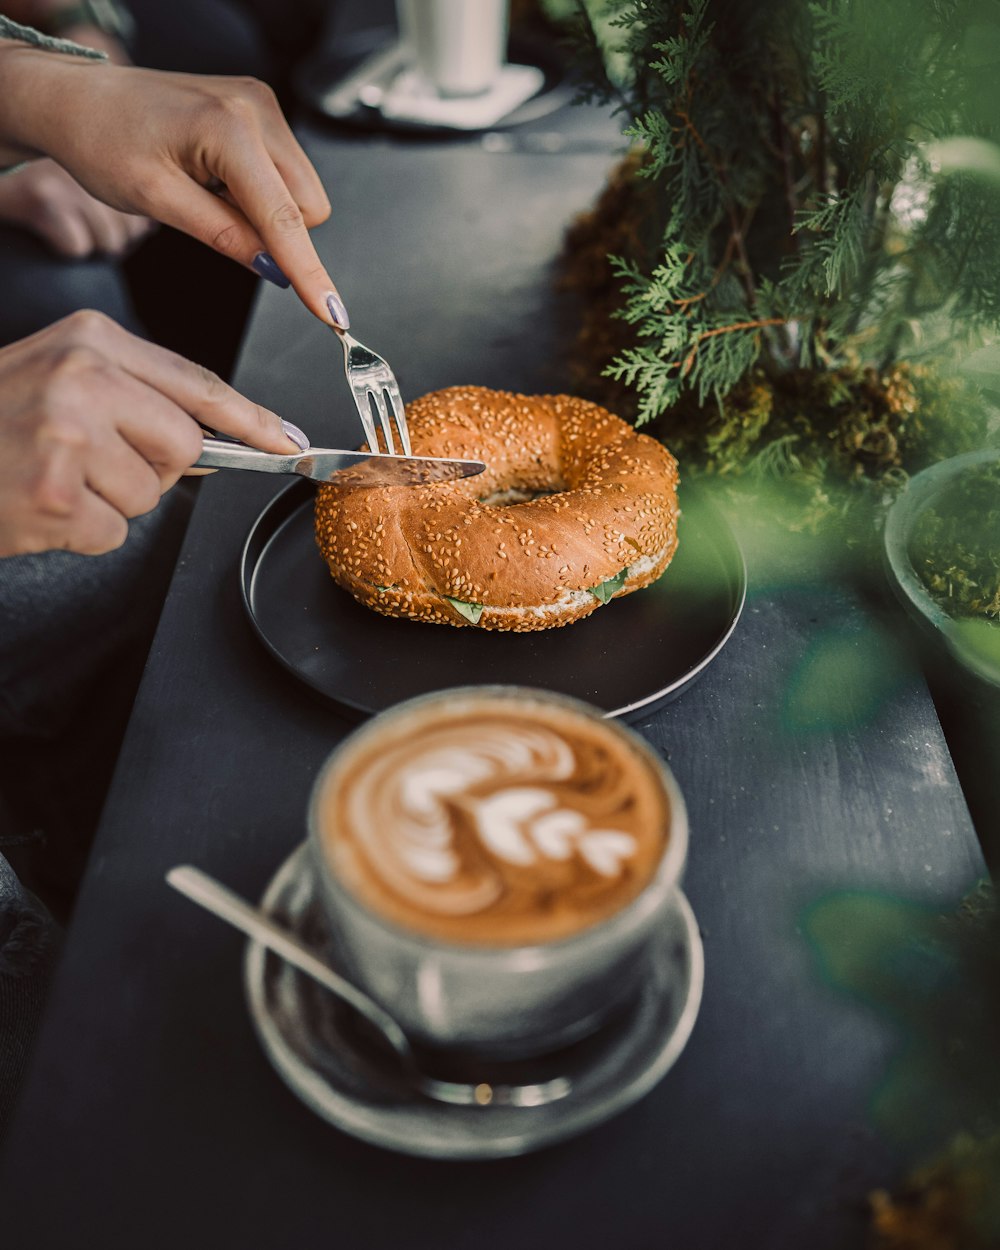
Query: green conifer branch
[[777, 139]]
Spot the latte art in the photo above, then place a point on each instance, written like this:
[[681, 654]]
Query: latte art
[[524, 825], [421, 831], [496, 824], [419, 797]]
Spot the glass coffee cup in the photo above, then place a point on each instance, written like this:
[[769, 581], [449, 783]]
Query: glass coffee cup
[[458, 47], [496, 863]]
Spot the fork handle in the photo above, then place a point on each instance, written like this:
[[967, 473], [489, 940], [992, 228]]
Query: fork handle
[[347, 339], [216, 454]]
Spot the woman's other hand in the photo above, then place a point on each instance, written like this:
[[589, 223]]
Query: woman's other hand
[[95, 424], [43, 199]]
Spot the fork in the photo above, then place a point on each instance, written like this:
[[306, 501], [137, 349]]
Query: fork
[[375, 389]]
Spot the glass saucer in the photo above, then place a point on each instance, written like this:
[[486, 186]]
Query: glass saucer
[[408, 100], [314, 1045]]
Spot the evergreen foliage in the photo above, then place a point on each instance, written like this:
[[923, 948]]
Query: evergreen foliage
[[821, 196]]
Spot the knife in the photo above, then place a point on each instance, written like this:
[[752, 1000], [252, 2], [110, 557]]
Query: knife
[[342, 468]]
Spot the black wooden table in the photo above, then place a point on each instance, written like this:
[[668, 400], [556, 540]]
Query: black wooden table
[[152, 1118]]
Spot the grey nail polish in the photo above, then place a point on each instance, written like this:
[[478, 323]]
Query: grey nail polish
[[337, 311], [267, 267], [298, 437]]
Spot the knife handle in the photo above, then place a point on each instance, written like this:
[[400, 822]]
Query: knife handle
[[216, 454]]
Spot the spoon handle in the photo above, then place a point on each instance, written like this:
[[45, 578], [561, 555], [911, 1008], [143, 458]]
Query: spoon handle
[[222, 902]]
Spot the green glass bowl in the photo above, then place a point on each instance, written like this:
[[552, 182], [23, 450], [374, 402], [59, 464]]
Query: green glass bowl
[[921, 494]]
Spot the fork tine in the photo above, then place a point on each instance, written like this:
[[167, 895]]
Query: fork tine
[[365, 413], [395, 402], [360, 393], [383, 415]]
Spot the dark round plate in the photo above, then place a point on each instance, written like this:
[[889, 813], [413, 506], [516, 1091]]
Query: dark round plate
[[628, 657], [318, 74]]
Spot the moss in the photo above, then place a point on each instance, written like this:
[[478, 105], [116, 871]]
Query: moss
[[955, 548]]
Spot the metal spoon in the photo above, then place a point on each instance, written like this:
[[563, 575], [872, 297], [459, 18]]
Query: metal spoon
[[222, 902]]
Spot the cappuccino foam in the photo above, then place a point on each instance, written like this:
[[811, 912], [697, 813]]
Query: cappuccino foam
[[493, 821]]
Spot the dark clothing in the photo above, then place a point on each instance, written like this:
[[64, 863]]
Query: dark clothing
[[28, 944], [75, 630]]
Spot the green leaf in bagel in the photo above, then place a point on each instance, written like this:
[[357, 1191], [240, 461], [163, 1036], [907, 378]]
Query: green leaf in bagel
[[606, 590], [471, 611]]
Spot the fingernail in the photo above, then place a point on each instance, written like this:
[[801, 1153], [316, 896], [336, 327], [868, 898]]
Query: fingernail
[[298, 437], [267, 267], [337, 311]]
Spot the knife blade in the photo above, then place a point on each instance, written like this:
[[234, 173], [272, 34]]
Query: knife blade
[[342, 468]]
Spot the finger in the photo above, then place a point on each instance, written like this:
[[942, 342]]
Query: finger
[[67, 233], [138, 227], [212, 219], [125, 479], [191, 388], [97, 527], [296, 169], [68, 515], [202, 395], [146, 445], [58, 492], [99, 459], [221, 222], [305, 188], [257, 187], [107, 228]]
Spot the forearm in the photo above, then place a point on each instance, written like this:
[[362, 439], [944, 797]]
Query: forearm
[[36, 89]]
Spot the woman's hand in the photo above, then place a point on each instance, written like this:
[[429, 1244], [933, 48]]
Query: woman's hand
[[212, 156], [43, 199], [95, 424]]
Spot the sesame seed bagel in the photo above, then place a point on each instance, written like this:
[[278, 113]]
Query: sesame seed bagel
[[574, 508]]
